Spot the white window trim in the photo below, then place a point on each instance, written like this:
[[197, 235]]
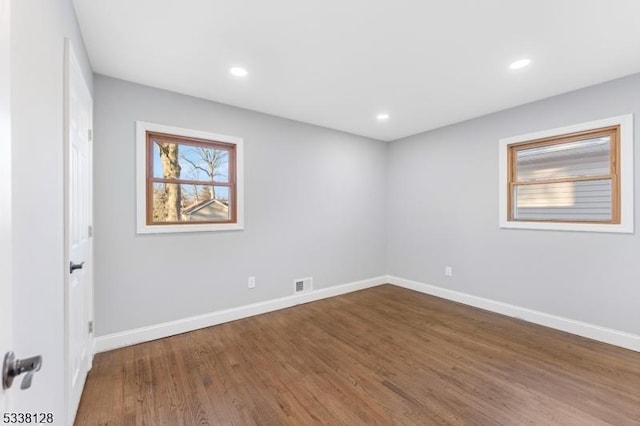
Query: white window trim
[[142, 128], [626, 177]]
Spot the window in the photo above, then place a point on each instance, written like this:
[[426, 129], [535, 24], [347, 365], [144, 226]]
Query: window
[[187, 180], [574, 178]]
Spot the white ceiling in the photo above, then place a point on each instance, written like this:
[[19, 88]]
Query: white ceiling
[[338, 63]]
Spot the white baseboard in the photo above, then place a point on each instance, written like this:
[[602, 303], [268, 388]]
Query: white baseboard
[[158, 331], [595, 332]]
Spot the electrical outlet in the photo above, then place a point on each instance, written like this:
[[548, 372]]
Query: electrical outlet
[[252, 282], [448, 271]]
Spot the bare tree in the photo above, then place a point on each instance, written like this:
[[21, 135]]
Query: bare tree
[[212, 159], [169, 154]]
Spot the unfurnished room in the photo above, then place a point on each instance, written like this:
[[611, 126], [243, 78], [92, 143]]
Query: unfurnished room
[[296, 212]]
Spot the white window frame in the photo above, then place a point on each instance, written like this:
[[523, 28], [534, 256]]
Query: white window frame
[[142, 127], [626, 177]]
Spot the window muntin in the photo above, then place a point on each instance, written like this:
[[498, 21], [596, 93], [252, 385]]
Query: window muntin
[[188, 180], [569, 178]]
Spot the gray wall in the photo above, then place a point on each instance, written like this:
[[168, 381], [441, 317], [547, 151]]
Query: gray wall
[[443, 210], [38, 32], [315, 206], [328, 204]]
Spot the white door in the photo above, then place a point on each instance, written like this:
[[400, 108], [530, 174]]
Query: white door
[[6, 343], [78, 234]]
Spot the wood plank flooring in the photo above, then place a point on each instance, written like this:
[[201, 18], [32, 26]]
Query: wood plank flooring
[[380, 356]]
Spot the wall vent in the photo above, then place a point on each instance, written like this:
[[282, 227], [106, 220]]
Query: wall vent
[[302, 285]]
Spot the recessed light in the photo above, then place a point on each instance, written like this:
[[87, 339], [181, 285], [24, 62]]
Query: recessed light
[[238, 71], [520, 64], [382, 117]]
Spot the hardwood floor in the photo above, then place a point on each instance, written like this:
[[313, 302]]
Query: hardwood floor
[[383, 356]]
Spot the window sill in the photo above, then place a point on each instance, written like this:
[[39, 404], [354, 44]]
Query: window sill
[[175, 229], [581, 227]]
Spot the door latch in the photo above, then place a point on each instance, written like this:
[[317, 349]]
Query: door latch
[[12, 368]]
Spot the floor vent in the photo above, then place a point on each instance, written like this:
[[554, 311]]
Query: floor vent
[[302, 285]]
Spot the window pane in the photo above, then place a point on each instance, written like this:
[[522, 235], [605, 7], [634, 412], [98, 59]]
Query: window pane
[[589, 157], [190, 162], [564, 201], [203, 163], [190, 203]]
